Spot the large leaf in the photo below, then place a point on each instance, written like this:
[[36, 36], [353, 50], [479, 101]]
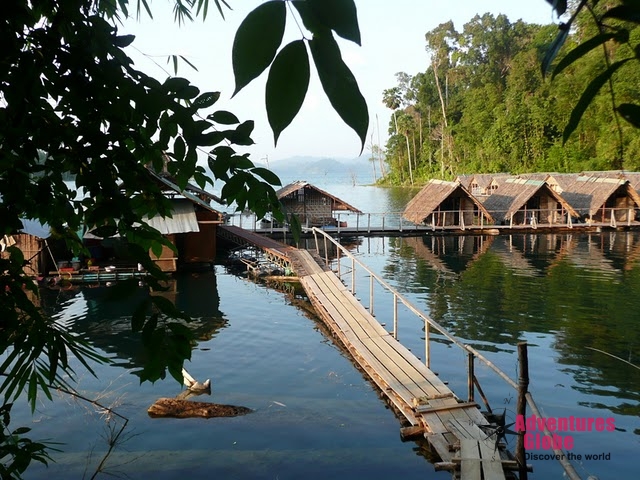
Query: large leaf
[[631, 113], [559, 6], [587, 96], [555, 47], [338, 15], [287, 86], [339, 84], [256, 42], [629, 13], [580, 51]]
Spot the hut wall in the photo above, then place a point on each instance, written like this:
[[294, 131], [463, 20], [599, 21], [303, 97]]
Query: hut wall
[[624, 205], [200, 247], [33, 252], [311, 207], [167, 259]]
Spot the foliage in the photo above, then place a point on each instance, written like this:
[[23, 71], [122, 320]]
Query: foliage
[[73, 106], [484, 106]]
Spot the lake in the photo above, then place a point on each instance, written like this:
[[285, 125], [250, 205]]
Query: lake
[[574, 298]]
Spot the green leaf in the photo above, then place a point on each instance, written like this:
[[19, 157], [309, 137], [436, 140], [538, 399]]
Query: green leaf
[[256, 42], [338, 15], [267, 175], [223, 117], [580, 51], [555, 47], [628, 13], [287, 86], [124, 40], [587, 96], [631, 113], [242, 134], [560, 6], [339, 84], [206, 100], [211, 138]]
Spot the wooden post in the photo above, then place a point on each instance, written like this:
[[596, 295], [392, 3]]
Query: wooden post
[[353, 276], [371, 294], [521, 406], [395, 316], [427, 352], [368, 223], [326, 251], [471, 375]]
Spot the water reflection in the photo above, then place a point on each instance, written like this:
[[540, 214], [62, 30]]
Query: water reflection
[[106, 324], [581, 290]]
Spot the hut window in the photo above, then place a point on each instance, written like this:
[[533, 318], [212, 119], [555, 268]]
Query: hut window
[[301, 195]]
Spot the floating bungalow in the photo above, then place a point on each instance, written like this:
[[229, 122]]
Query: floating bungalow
[[312, 205], [520, 201], [602, 199], [446, 204], [191, 228]]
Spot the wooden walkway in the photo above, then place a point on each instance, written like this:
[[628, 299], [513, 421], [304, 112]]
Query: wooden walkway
[[273, 249], [452, 427]]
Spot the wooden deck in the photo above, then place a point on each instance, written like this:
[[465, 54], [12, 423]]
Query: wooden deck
[[452, 427], [275, 250]]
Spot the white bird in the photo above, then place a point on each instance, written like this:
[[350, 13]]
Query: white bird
[[193, 385]]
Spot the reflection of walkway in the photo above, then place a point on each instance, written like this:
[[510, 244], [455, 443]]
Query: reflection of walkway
[[450, 426]]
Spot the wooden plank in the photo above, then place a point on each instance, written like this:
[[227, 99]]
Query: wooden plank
[[491, 462], [470, 468], [429, 408]]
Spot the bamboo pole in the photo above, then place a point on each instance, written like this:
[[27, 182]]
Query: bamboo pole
[[521, 406], [470, 377]]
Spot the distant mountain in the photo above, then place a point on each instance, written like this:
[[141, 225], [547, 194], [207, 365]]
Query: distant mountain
[[322, 170]]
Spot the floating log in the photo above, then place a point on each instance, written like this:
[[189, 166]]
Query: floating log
[[176, 408]]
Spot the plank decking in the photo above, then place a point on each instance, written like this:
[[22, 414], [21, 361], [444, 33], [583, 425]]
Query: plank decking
[[451, 427]]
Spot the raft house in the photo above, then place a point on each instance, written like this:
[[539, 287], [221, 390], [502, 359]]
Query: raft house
[[313, 206], [446, 205]]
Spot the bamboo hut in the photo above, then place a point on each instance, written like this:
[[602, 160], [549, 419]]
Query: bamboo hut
[[520, 201], [446, 204], [313, 206], [603, 199], [32, 242]]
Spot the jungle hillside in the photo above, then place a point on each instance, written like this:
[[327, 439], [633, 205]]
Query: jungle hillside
[[483, 105]]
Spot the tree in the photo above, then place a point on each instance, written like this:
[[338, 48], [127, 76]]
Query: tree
[[73, 105]]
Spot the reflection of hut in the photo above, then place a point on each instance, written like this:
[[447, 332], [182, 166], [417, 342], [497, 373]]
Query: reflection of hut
[[519, 201], [313, 206], [602, 199], [446, 204], [31, 240]]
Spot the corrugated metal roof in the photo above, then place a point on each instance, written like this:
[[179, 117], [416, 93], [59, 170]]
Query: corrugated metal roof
[[183, 219]]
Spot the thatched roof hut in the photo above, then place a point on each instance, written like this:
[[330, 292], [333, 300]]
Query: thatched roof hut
[[483, 184], [597, 197], [442, 203], [520, 201]]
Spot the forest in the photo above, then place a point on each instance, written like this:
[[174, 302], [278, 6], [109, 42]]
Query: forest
[[483, 104]]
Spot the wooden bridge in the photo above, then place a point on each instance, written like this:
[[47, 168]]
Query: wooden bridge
[[457, 430]]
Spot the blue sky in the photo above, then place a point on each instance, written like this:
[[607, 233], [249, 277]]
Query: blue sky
[[393, 41]]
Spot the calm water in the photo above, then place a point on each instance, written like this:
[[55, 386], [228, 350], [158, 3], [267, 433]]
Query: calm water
[[315, 415]]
